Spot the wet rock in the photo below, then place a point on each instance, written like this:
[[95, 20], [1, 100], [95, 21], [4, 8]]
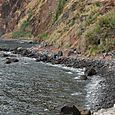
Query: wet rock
[[5, 55], [25, 52], [90, 71], [18, 50], [8, 62], [55, 56], [38, 59], [0, 49], [85, 112], [42, 58], [57, 61], [15, 60], [4, 49], [83, 77], [70, 110], [32, 55], [11, 60]]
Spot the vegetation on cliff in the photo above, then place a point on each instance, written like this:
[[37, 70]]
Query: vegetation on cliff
[[86, 25]]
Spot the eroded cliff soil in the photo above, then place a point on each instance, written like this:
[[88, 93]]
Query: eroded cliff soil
[[88, 25]]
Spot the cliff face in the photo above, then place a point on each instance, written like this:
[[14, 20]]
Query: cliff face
[[16, 13], [88, 25]]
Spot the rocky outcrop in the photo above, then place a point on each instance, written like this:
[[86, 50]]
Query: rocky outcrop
[[11, 60], [109, 111], [70, 110], [73, 111]]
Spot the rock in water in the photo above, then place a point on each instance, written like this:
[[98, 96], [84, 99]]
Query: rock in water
[[90, 72], [83, 77], [8, 61], [11, 60], [70, 110], [85, 112]]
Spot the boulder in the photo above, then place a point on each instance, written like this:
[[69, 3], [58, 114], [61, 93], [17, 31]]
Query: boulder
[[11, 60], [14, 60], [38, 59], [70, 110], [18, 50], [83, 77], [5, 55], [85, 112], [90, 71], [8, 55], [55, 56], [8, 61], [42, 58]]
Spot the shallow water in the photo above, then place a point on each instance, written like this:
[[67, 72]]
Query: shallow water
[[31, 88]]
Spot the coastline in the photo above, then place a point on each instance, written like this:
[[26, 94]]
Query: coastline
[[103, 67]]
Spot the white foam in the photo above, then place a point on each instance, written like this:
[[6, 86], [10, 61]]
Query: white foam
[[78, 70], [76, 93], [0, 73], [28, 58], [114, 105], [69, 72], [93, 88], [76, 78]]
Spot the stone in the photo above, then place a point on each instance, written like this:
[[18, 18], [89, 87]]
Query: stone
[[85, 112], [83, 77], [44, 58], [15, 60], [55, 56], [38, 59], [90, 72], [8, 62], [11, 60], [70, 110], [5, 55]]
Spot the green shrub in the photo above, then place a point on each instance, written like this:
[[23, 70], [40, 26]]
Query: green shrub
[[100, 33], [19, 34], [59, 10], [22, 31], [43, 36]]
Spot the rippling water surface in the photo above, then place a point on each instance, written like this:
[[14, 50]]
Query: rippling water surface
[[31, 88]]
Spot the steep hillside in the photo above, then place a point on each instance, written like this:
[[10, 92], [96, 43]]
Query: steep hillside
[[88, 25]]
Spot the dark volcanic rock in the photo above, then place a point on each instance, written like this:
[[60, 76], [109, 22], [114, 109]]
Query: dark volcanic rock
[[43, 58], [11, 60], [70, 110], [5, 55], [83, 77], [90, 71], [85, 112]]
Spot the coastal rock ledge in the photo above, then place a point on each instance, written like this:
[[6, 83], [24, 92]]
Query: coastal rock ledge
[[110, 111]]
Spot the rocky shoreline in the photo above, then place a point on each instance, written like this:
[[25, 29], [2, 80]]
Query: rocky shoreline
[[105, 68], [100, 65]]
